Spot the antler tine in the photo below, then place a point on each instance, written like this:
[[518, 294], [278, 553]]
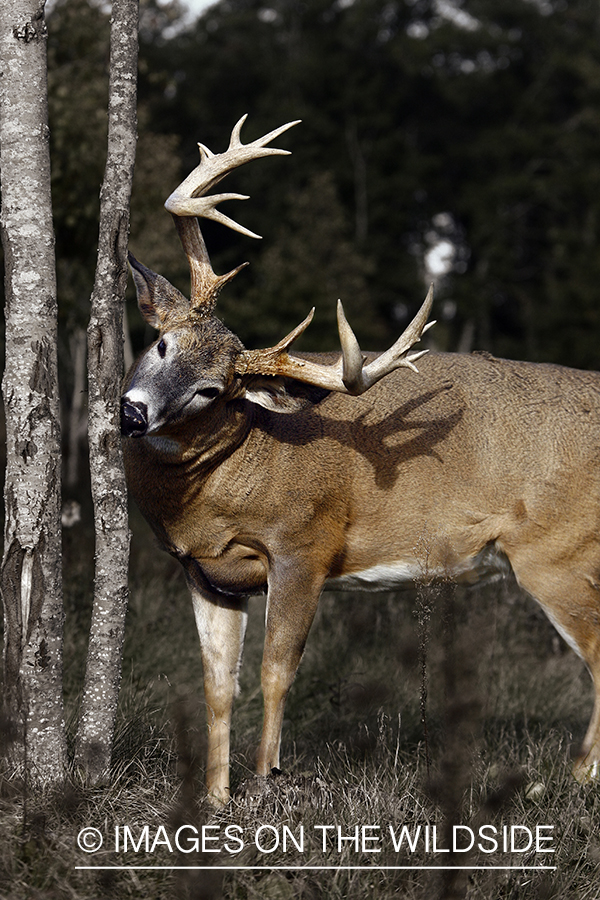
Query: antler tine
[[189, 201], [358, 378], [235, 141], [205, 208], [205, 284], [349, 375]]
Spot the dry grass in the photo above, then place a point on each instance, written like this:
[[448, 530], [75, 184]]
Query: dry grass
[[505, 703]]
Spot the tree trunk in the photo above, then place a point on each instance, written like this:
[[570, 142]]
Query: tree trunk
[[30, 578], [105, 372]]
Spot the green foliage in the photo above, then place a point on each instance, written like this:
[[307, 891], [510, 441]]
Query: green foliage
[[529, 171], [78, 47], [484, 116], [311, 261], [78, 62], [489, 116]]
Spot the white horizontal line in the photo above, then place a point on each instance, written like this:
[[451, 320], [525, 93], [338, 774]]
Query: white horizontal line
[[328, 868]]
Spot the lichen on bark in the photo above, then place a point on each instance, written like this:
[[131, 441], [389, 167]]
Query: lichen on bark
[[105, 371], [30, 576]]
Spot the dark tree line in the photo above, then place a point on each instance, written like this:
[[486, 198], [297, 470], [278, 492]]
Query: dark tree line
[[479, 126]]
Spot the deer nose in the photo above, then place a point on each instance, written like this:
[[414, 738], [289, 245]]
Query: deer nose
[[134, 418]]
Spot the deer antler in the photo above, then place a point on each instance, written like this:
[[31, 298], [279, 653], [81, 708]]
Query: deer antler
[[189, 201], [349, 375]]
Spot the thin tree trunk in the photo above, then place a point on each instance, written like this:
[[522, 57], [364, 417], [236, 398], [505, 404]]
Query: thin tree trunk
[[30, 578], [105, 372]]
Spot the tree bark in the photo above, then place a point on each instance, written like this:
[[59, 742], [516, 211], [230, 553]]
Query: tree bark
[[105, 372], [30, 577]]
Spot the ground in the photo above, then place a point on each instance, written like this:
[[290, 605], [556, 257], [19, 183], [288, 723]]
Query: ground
[[446, 707]]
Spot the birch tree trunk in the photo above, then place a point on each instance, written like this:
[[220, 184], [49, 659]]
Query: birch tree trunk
[[30, 577], [105, 372]]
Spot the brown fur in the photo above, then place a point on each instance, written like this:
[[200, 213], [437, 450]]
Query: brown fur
[[424, 469], [261, 483]]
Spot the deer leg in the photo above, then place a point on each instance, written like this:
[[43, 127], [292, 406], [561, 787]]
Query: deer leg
[[290, 614], [221, 627], [587, 764], [569, 594]]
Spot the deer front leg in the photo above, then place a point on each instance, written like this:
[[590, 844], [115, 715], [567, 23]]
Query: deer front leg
[[292, 604], [221, 627]]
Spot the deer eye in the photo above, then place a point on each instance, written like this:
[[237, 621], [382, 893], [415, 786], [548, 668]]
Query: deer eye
[[162, 348], [209, 393]]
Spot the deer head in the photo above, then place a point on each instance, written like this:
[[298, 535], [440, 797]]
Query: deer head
[[196, 360]]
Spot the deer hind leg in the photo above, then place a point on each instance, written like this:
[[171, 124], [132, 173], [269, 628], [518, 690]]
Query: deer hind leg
[[569, 594], [221, 627], [587, 764], [290, 614]]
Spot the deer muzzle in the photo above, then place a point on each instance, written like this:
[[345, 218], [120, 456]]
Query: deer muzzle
[[134, 418]]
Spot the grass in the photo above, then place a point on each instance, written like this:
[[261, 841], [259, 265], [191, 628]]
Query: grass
[[447, 705]]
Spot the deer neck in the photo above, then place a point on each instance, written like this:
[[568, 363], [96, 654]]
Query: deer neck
[[203, 441]]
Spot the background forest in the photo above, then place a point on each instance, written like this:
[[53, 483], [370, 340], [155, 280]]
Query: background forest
[[450, 140]]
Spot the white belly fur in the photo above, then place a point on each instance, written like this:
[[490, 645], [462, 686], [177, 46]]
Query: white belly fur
[[384, 577], [490, 563]]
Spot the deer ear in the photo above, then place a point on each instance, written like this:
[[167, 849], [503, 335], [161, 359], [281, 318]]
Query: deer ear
[[157, 298], [282, 395]]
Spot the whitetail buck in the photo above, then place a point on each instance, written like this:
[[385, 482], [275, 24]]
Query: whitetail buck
[[263, 471]]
